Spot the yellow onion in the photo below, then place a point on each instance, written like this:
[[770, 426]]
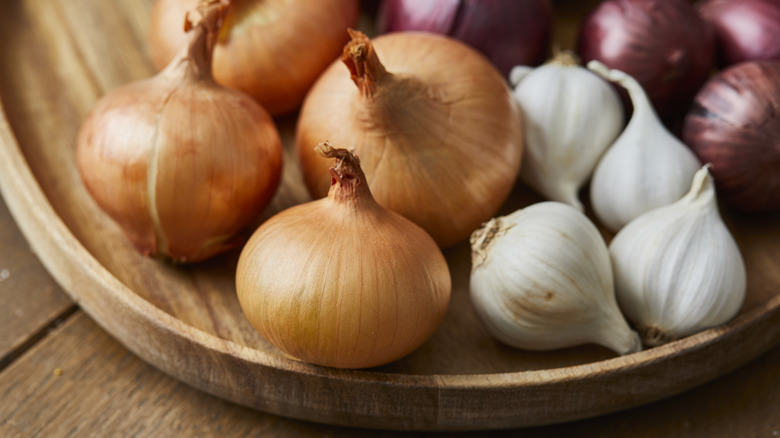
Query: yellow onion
[[342, 281], [181, 163], [273, 50], [434, 123]]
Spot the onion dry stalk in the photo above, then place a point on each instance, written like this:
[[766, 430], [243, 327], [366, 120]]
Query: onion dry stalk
[[435, 125], [342, 281], [273, 50], [181, 163]]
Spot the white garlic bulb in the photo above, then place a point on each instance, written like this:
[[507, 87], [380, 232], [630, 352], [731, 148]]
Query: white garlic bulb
[[677, 268], [646, 167], [541, 279], [571, 117]]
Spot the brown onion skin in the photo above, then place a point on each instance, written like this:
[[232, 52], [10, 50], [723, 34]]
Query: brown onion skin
[[445, 165], [273, 52], [745, 30], [343, 282], [509, 33], [663, 44], [217, 153], [734, 125]]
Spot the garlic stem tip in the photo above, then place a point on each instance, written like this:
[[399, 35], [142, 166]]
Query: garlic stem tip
[[484, 234], [565, 58], [612, 75], [598, 67]]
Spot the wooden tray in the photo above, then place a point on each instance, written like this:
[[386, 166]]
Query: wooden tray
[[59, 56]]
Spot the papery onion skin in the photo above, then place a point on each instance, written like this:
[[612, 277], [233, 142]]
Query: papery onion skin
[[271, 50], [439, 136], [663, 44], [745, 30], [734, 125], [509, 33], [179, 162], [343, 282]]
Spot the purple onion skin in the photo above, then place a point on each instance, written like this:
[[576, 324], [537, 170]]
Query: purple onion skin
[[437, 16], [508, 32], [745, 30], [734, 124], [663, 44]]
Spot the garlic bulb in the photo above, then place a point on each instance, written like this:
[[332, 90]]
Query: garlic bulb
[[677, 268], [571, 118], [646, 167], [541, 279]]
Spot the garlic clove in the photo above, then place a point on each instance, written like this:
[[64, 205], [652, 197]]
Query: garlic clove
[[565, 137], [645, 168], [678, 270], [541, 279]]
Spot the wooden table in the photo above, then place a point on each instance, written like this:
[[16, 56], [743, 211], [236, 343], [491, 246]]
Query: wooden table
[[62, 375]]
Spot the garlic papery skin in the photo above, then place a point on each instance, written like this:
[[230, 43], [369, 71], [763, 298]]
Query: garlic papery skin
[[678, 270], [571, 117], [645, 168], [541, 279]]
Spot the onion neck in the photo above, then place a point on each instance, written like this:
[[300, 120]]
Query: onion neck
[[203, 26], [363, 64], [348, 182]]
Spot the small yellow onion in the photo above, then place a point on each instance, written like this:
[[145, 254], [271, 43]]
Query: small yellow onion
[[342, 281], [273, 50], [181, 163], [434, 123]]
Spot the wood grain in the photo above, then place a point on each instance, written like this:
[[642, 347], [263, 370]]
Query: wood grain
[[78, 381], [30, 300], [59, 56]]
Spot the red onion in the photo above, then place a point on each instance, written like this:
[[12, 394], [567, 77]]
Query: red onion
[[508, 32], [663, 44], [745, 30], [734, 124]]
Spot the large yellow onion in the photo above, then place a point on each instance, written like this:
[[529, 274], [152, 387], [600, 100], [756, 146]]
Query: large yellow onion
[[181, 163], [273, 50], [342, 281], [434, 123]]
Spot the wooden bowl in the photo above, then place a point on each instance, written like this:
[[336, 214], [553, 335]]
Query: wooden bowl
[[59, 58]]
